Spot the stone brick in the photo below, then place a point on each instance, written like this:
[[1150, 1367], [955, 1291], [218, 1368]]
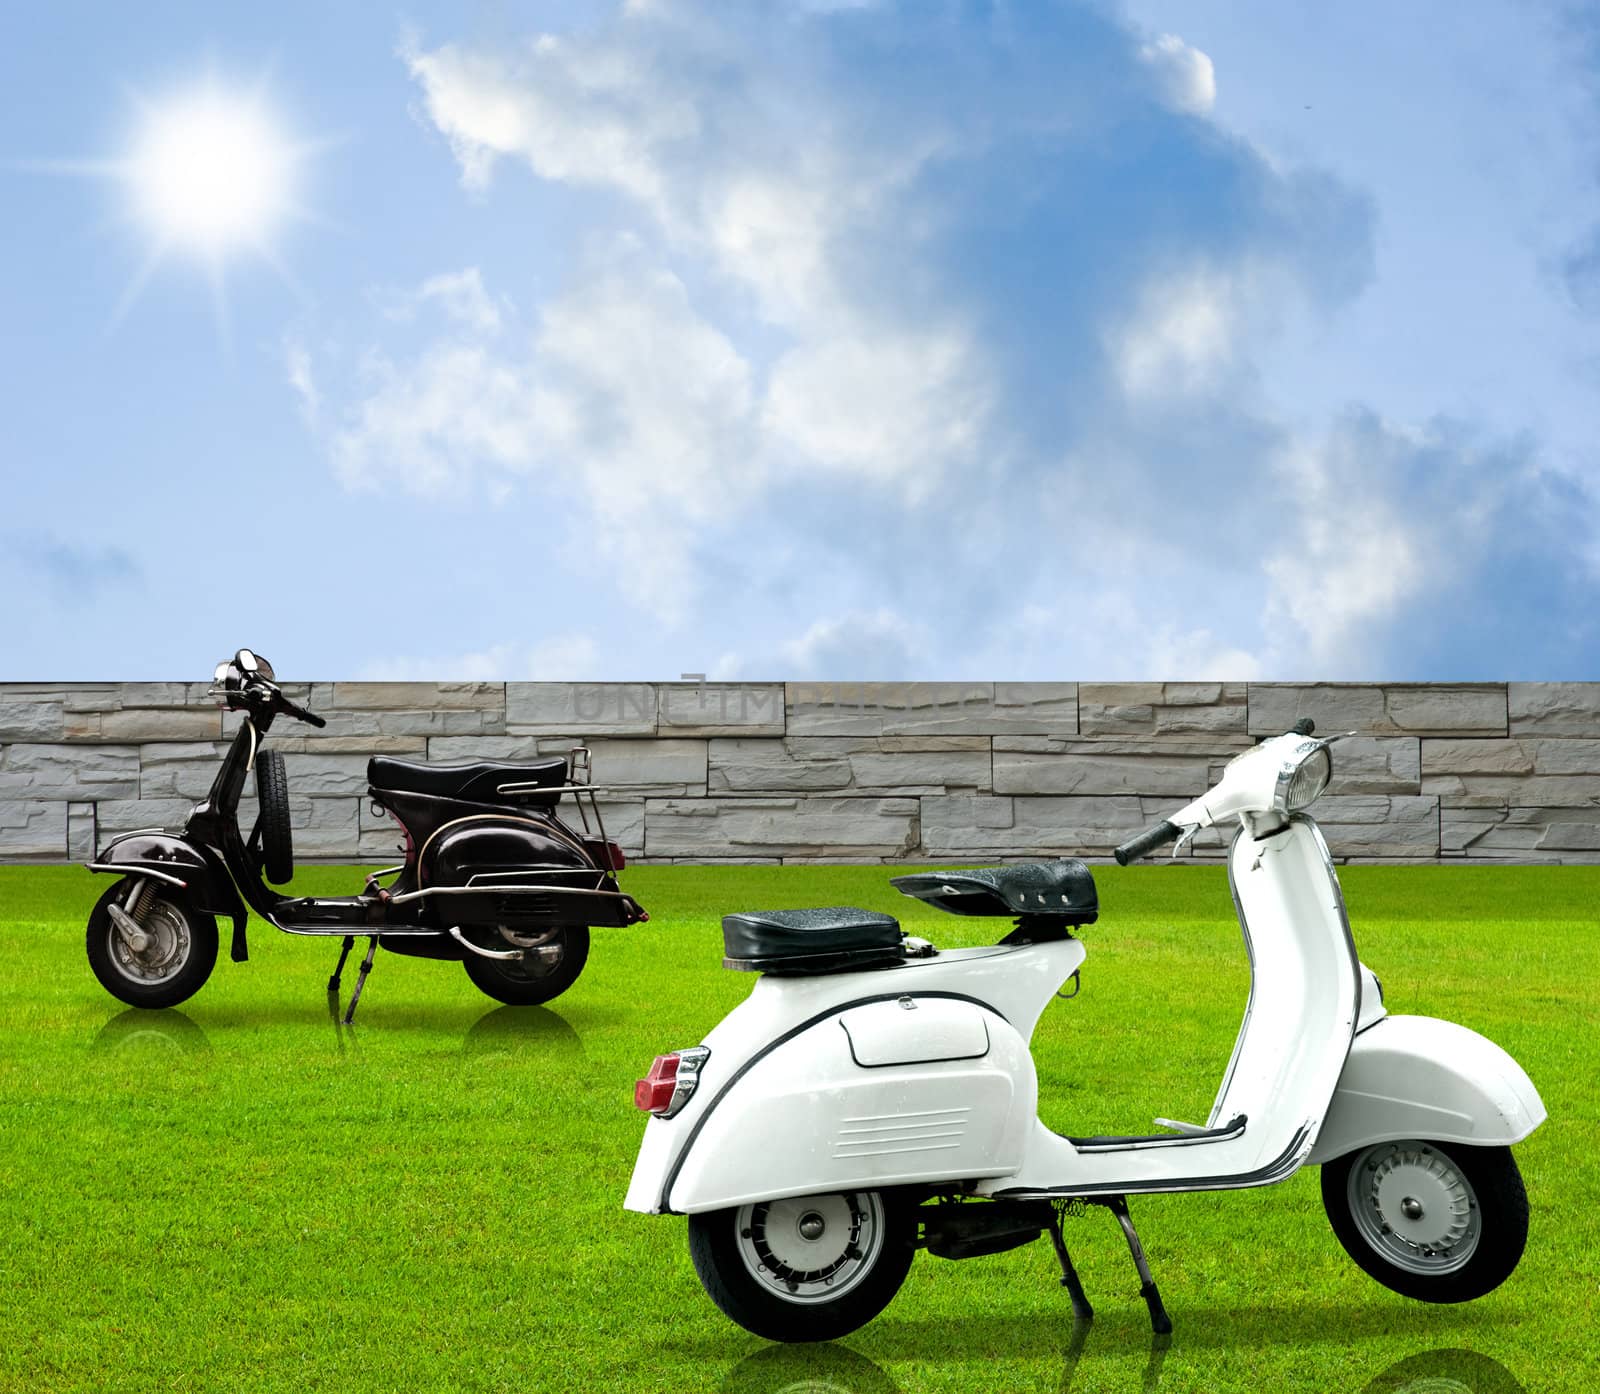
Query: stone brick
[[1522, 834], [900, 765], [457, 750], [116, 697], [419, 696], [118, 816], [765, 765], [68, 773], [1376, 765], [80, 832], [34, 829], [1163, 709], [319, 776], [976, 827], [29, 716], [179, 770], [1377, 827], [931, 708], [169, 724], [1555, 708], [817, 827], [1036, 765], [324, 829], [88, 696], [721, 709], [1042, 708], [1389, 710], [1524, 770], [592, 708], [659, 766]]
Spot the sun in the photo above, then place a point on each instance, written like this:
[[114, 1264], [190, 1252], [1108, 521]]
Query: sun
[[211, 174], [208, 172]]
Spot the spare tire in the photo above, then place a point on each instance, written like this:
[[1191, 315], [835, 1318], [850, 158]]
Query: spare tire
[[272, 794]]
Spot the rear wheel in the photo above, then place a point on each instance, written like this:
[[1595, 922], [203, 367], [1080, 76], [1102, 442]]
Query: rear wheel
[[807, 1268], [1438, 1222], [554, 960], [174, 959]]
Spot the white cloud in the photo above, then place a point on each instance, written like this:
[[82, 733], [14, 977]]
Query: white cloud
[[885, 407], [1185, 75], [1181, 337], [462, 297], [568, 658], [1348, 562], [593, 113], [297, 369]]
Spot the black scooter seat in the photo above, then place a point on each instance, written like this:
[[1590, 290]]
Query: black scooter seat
[[477, 783], [1062, 890], [810, 941]]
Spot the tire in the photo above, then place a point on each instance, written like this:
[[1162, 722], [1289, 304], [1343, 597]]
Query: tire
[[528, 982], [1469, 1226], [277, 838], [746, 1259], [180, 958]]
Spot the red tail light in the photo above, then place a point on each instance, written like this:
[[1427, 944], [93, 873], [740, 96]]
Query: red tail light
[[671, 1081], [654, 1092], [606, 854]]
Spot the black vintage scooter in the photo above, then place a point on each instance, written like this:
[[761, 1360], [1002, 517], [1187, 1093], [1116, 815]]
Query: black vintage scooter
[[492, 878]]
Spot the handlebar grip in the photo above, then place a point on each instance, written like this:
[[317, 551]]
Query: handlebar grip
[[301, 714], [1147, 842]]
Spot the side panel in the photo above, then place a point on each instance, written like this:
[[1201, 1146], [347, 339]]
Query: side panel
[[1417, 1077], [806, 1119]]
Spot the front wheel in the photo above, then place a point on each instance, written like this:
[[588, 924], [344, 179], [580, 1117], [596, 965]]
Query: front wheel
[[552, 965], [171, 956], [808, 1268], [1441, 1223]]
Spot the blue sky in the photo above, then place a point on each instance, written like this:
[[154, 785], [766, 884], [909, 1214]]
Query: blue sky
[[801, 340]]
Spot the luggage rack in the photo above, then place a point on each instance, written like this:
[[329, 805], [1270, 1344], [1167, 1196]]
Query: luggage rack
[[579, 784]]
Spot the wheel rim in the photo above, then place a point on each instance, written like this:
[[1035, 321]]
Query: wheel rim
[[812, 1248], [164, 957], [1415, 1207]]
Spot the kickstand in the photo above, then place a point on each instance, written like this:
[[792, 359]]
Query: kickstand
[[361, 982], [344, 953], [1081, 1310], [1160, 1322]]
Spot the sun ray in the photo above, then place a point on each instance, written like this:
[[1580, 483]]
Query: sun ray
[[136, 284]]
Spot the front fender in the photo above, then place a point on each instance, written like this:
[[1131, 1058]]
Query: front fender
[[205, 879], [1418, 1077]]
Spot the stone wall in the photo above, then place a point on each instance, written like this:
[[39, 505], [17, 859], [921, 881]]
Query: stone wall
[[798, 772]]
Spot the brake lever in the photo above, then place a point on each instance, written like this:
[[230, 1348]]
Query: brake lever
[[1184, 839]]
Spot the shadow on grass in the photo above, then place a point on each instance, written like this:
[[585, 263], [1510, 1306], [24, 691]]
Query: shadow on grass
[[512, 1030], [825, 1368], [812, 1369], [140, 1031], [1196, 1326]]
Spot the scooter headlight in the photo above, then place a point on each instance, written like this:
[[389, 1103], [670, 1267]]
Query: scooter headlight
[[1304, 776]]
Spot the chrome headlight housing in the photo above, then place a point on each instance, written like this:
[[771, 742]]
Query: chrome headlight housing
[[1304, 775]]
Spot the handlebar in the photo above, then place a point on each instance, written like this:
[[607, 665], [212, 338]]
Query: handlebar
[[300, 713], [1147, 842]]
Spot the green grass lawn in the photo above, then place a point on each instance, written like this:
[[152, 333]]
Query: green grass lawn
[[243, 1196]]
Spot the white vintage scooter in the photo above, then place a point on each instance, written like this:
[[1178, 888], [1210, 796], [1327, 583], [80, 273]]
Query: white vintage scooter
[[872, 1089]]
